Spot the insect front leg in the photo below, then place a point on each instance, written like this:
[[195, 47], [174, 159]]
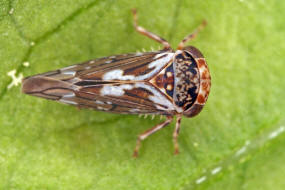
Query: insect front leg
[[148, 132], [176, 133], [147, 33], [192, 35]]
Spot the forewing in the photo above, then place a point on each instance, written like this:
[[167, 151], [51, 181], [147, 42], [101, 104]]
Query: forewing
[[130, 97], [126, 67], [115, 84]]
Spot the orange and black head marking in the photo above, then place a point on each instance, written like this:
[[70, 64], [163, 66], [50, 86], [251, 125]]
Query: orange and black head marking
[[192, 81]]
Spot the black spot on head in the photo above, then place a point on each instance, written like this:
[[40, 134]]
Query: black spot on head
[[192, 67], [192, 92]]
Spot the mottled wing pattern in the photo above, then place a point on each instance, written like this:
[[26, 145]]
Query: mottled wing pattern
[[115, 84]]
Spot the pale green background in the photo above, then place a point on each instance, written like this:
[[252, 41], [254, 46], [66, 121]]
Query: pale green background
[[47, 145]]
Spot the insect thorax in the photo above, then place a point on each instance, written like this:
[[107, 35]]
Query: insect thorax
[[186, 86]]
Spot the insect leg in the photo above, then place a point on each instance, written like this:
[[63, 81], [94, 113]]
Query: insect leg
[[192, 35], [147, 33], [176, 133], [150, 131]]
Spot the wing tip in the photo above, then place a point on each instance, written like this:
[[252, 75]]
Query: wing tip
[[38, 84], [32, 84]]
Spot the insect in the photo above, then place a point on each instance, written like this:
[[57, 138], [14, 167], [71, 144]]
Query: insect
[[166, 82]]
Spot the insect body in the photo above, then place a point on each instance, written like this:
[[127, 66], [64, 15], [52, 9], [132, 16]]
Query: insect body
[[165, 82]]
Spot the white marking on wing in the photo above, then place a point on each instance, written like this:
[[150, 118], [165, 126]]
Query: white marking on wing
[[99, 102], [70, 95], [115, 90], [157, 97], [101, 108], [134, 110], [74, 80], [178, 52], [117, 74], [72, 73], [160, 54], [68, 101], [161, 61], [157, 65], [69, 67]]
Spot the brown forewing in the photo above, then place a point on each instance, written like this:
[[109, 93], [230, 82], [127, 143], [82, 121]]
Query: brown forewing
[[81, 85]]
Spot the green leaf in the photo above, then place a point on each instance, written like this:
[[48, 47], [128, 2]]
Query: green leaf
[[235, 143]]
